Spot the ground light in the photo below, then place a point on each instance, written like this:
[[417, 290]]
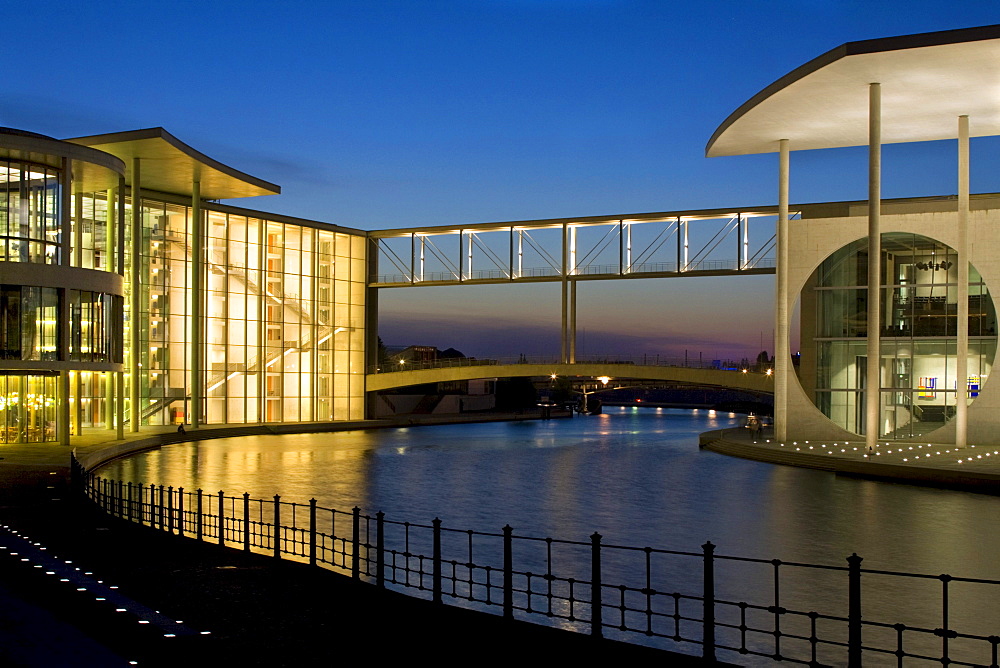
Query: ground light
[[913, 452], [25, 550]]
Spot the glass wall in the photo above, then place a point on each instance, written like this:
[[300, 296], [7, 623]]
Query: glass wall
[[283, 328], [30, 196], [92, 225], [28, 408], [918, 326]]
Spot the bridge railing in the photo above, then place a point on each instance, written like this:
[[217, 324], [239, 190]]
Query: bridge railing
[[695, 601], [610, 270], [694, 361]]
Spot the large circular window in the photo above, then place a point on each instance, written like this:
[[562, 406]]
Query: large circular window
[[918, 330]]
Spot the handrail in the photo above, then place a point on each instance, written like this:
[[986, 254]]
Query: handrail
[[655, 360], [640, 594]]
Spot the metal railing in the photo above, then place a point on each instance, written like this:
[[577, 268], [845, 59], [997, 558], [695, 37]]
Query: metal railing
[[610, 270], [701, 600], [693, 361]]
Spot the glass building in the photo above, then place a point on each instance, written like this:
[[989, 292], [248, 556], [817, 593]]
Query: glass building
[[116, 258]]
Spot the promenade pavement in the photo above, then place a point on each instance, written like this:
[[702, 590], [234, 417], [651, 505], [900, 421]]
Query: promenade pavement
[[973, 468], [256, 610]]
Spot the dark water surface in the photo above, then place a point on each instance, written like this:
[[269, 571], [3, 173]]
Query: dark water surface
[[634, 475]]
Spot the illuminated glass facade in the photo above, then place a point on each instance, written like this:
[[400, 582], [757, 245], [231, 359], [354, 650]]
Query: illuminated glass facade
[[918, 327], [283, 326], [61, 299], [99, 298]]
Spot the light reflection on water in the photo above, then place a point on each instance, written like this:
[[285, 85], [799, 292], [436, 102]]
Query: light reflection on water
[[634, 475]]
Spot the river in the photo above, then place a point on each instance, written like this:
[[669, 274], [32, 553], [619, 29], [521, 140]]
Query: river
[[635, 475]]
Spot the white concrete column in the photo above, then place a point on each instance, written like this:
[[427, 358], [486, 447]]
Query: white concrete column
[[197, 301], [78, 229], [782, 356], [873, 379], [109, 400], [65, 212], [120, 405], [135, 410], [63, 421], [962, 251]]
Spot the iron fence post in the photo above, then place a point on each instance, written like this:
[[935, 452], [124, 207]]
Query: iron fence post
[[436, 565], [129, 509], [945, 632], [180, 511], [356, 543], [276, 532], [222, 521], [170, 508], [120, 501], [708, 594], [380, 549], [140, 518], [246, 521], [152, 505], [854, 611], [312, 532], [198, 517], [596, 611], [508, 572], [160, 507]]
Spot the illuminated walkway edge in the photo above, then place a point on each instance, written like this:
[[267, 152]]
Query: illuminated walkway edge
[[978, 472]]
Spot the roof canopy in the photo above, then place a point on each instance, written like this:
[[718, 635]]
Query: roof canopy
[[169, 165], [927, 80]]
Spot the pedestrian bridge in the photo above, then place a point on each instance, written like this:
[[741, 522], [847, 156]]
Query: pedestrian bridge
[[454, 370]]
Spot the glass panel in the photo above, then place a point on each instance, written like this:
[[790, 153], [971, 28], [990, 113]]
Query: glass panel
[[918, 329]]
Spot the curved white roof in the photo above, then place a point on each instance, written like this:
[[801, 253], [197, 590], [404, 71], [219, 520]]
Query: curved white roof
[[928, 81], [171, 165]]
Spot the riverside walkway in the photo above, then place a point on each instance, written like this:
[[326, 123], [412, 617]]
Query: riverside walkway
[[973, 468], [256, 610]]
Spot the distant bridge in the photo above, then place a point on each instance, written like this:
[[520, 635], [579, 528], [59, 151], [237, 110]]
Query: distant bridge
[[476, 369]]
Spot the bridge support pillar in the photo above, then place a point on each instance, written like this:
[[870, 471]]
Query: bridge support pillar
[[572, 322]]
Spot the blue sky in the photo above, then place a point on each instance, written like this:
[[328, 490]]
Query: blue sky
[[390, 114]]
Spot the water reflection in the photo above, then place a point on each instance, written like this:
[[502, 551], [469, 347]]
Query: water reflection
[[634, 475]]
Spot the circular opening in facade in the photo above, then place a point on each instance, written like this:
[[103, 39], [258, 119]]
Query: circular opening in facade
[[918, 330]]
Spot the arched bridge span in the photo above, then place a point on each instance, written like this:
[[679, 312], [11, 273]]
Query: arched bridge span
[[737, 380]]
